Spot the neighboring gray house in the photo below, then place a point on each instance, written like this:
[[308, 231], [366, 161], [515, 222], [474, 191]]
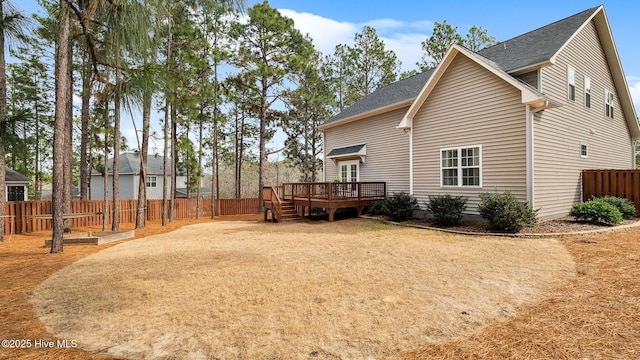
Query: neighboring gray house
[[17, 185], [526, 115], [129, 175]]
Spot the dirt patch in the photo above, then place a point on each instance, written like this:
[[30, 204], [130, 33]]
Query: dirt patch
[[350, 289], [25, 263]]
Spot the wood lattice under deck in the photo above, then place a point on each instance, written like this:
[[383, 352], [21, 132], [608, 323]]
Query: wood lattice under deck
[[302, 197]]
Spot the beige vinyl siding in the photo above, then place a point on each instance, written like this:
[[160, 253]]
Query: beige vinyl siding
[[387, 149], [471, 106], [560, 131], [530, 78]]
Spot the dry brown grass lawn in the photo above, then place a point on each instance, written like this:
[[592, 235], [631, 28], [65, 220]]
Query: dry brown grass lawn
[[351, 289]]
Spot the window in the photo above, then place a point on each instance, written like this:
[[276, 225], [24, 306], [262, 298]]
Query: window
[[354, 172], [461, 166], [608, 104], [349, 170], [571, 79], [584, 150], [587, 91], [152, 181]]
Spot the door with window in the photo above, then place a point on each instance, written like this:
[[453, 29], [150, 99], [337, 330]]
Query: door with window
[[349, 171]]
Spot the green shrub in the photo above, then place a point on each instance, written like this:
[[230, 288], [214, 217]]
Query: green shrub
[[505, 213], [446, 209], [596, 211], [378, 208], [625, 206], [399, 207]]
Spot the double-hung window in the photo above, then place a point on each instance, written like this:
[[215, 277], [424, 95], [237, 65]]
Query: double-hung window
[[608, 104], [461, 167], [587, 91], [152, 181], [584, 150], [571, 80]]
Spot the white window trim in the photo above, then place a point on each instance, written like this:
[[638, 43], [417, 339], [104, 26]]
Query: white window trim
[[587, 91], [586, 148], [571, 81], [348, 163], [459, 150], [606, 102], [148, 183]]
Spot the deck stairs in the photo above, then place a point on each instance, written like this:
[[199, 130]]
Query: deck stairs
[[288, 211]]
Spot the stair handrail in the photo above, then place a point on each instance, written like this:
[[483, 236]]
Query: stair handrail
[[277, 203]]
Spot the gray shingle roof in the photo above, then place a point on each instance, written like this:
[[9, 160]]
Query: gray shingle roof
[[346, 150], [536, 46], [399, 91], [14, 176], [130, 164], [519, 52]]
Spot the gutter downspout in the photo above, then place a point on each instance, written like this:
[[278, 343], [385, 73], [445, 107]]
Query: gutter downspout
[[411, 160], [634, 143], [530, 158], [324, 157]]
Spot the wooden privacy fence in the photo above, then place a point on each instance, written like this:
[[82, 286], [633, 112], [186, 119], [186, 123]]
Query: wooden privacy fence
[[619, 183], [33, 216]]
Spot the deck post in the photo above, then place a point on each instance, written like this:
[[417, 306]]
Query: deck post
[[331, 212]]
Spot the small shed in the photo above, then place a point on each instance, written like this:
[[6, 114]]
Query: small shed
[[17, 185]]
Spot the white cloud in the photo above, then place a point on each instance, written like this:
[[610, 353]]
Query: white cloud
[[408, 48], [326, 33], [399, 36], [384, 24]]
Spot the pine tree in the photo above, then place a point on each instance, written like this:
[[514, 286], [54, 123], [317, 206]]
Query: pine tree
[[270, 49]]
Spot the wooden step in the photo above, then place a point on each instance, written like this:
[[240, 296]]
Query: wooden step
[[288, 212]]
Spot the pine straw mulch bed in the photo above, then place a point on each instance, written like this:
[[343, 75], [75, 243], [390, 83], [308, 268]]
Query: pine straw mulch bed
[[556, 227], [594, 315]]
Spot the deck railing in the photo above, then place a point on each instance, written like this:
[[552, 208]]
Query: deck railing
[[335, 190], [273, 194]]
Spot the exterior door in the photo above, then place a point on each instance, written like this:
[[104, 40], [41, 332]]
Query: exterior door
[[350, 171]]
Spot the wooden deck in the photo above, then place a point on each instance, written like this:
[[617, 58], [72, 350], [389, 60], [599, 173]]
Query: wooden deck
[[329, 196]]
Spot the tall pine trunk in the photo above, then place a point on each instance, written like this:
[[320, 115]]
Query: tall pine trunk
[[68, 140], [115, 224], [165, 164], [84, 128], [199, 174], [174, 163], [105, 174], [62, 67], [168, 107], [3, 120], [141, 210], [263, 142]]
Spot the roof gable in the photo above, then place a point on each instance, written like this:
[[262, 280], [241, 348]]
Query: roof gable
[[14, 176], [129, 164], [617, 73], [528, 94]]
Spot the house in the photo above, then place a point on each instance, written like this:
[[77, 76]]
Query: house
[[16, 185], [526, 115], [129, 175]]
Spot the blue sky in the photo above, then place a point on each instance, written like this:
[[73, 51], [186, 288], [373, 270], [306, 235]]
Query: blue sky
[[404, 24]]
